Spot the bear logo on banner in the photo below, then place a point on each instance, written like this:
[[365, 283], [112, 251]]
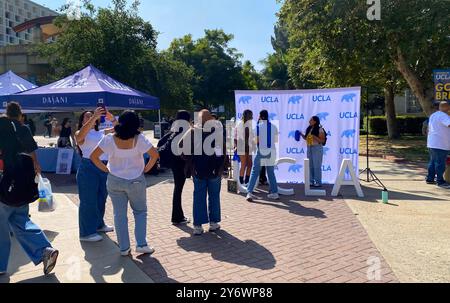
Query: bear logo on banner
[[295, 100], [296, 168], [349, 133], [245, 100], [348, 98], [323, 116]]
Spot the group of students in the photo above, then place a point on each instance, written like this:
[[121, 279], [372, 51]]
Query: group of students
[[261, 142]]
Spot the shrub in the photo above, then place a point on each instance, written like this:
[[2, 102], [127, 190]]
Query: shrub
[[410, 125]]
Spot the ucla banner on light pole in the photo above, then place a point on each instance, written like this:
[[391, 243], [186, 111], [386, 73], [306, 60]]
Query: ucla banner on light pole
[[442, 85], [338, 110]]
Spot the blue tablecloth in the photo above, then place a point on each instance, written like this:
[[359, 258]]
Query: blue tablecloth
[[48, 157]]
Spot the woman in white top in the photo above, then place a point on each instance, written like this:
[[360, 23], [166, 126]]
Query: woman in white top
[[126, 181], [91, 181]]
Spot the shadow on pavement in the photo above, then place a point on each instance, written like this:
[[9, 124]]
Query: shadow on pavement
[[154, 269], [225, 247], [294, 207]]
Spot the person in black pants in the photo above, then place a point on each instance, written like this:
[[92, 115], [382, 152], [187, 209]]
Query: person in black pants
[[180, 173]]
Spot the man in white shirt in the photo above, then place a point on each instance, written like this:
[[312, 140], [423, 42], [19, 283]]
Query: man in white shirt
[[439, 145]]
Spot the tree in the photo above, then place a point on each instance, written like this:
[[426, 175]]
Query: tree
[[120, 43], [216, 65], [252, 79]]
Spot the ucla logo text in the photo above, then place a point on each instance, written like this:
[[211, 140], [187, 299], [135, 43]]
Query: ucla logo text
[[295, 151], [348, 151], [326, 168], [322, 98], [348, 115], [295, 117], [269, 99]]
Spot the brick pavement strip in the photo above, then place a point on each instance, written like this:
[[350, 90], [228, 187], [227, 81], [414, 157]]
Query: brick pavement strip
[[293, 240]]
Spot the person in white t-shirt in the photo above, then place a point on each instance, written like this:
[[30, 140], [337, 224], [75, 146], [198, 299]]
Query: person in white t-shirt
[[439, 145], [126, 180], [90, 180]]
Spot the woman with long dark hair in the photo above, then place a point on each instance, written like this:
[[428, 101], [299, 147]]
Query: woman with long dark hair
[[126, 180], [243, 145], [315, 138], [65, 134], [91, 180]]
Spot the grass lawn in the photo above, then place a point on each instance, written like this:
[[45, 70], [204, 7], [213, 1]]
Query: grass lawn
[[410, 148]]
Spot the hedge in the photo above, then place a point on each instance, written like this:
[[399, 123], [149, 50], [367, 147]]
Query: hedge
[[407, 125]]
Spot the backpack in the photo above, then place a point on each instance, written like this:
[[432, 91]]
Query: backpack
[[17, 185], [326, 137], [166, 157]]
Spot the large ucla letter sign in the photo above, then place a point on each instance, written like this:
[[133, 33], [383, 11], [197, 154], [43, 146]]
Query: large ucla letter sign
[[339, 112]]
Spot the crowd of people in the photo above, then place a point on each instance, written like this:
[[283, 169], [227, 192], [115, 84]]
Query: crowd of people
[[113, 165]]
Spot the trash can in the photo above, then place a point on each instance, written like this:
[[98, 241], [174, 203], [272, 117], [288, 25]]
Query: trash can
[[447, 171]]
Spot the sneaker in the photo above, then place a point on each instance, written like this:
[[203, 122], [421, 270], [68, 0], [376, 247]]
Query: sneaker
[[2, 273], [125, 253], [431, 182], [198, 230], [274, 196], [106, 229], [183, 222], [146, 250], [92, 238], [49, 259], [214, 227], [251, 197], [444, 185]]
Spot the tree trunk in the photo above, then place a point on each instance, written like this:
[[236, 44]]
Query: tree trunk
[[391, 117], [414, 83]]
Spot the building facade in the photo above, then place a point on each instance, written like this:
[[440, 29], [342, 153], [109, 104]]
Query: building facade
[[15, 12]]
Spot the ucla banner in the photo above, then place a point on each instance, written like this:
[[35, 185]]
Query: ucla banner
[[442, 85], [338, 110]]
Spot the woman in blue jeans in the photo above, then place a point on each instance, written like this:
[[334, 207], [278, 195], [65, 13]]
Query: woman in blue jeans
[[266, 140], [315, 138], [126, 181], [91, 181]]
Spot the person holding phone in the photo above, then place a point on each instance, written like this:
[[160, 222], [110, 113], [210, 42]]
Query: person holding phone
[[126, 180], [315, 138], [91, 180]]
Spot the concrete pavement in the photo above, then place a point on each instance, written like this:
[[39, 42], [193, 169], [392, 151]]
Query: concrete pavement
[[78, 263]]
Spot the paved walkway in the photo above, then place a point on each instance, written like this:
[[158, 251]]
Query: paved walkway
[[77, 263], [294, 240]]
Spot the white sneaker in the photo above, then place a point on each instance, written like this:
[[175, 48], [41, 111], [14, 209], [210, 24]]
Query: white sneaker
[[251, 197], [125, 253], [92, 238], [106, 229], [214, 227], [274, 196], [198, 230], [146, 250]]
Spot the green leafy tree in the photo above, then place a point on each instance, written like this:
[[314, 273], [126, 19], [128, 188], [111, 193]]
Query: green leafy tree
[[217, 68], [123, 45], [252, 79]]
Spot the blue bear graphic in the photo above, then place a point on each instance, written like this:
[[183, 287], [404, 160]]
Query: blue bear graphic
[[349, 133], [325, 151], [295, 168], [245, 100], [295, 100], [272, 116], [292, 134], [323, 116], [349, 98]]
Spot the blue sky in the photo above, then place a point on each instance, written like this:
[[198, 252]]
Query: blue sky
[[251, 21]]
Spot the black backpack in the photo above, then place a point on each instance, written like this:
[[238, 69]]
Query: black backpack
[[326, 137], [166, 157], [17, 185]]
